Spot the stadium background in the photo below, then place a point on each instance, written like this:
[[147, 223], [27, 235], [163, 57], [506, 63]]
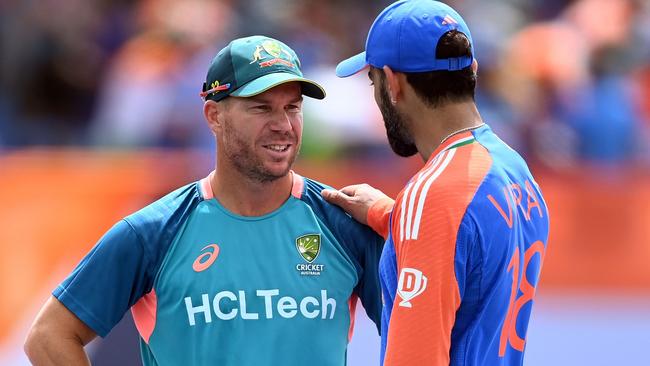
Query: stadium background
[[100, 114]]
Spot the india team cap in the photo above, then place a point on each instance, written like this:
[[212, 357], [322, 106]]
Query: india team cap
[[405, 36], [252, 65]]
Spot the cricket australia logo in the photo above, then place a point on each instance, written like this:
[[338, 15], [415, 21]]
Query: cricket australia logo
[[308, 247], [270, 52]]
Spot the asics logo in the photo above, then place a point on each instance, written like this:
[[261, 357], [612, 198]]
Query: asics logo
[[205, 260]]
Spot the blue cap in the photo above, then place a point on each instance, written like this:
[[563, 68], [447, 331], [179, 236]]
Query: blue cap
[[405, 36]]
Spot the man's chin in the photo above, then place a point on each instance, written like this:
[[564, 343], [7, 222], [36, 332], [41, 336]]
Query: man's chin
[[274, 171], [401, 148], [404, 151]]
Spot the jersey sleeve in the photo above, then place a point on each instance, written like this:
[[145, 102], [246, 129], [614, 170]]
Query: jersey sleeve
[[364, 246], [379, 216], [367, 247], [109, 280]]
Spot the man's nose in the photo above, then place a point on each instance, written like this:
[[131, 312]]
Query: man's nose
[[281, 121]]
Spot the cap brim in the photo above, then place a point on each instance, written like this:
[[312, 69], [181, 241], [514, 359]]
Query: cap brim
[[260, 85], [352, 65]]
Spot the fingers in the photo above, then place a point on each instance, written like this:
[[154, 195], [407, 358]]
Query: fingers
[[343, 195], [350, 190], [347, 194], [347, 202], [334, 196], [341, 199]]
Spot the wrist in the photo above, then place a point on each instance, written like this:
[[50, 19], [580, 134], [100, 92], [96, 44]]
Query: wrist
[[378, 215]]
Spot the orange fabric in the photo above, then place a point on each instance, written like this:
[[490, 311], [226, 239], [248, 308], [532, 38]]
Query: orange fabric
[[379, 215], [144, 315], [352, 307], [206, 187], [420, 331], [297, 185]]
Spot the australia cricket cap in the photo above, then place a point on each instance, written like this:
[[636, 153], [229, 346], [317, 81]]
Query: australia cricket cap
[[405, 36], [252, 65]]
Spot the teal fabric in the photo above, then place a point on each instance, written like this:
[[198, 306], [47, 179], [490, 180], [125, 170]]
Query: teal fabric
[[256, 257]]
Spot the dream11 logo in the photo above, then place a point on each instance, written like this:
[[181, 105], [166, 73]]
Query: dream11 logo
[[411, 283]]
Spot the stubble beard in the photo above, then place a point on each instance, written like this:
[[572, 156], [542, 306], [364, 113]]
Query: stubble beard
[[242, 156], [399, 138]]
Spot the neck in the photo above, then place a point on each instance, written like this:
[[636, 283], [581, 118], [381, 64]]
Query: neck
[[430, 126], [246, 197]]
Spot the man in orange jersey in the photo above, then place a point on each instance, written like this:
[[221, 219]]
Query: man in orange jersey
[[466, 237]]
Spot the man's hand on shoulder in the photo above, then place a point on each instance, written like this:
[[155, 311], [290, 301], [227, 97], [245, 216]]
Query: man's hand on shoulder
[[356, 200]]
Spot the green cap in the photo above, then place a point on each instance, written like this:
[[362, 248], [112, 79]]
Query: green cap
[[252, 65]]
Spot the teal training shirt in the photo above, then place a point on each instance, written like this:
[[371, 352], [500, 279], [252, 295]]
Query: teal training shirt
[[209, 287]]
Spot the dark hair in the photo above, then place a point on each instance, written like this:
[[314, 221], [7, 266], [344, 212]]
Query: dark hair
[[437, 88]]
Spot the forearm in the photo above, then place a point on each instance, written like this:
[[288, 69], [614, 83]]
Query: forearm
[[52, 350], [57, 337]]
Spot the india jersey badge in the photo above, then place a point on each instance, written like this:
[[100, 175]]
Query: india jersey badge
[[308, 247]]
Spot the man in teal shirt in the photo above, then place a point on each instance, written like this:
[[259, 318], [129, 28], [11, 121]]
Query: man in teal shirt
[[249, 265]]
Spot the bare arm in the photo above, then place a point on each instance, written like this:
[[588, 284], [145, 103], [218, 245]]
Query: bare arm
[[58, 337]]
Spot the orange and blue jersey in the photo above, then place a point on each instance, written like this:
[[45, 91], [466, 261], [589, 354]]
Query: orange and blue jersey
[[466, 239], [209, 287]]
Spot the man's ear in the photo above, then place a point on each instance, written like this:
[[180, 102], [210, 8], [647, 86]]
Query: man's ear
[[214, 114], [393, 85], [475, 66]]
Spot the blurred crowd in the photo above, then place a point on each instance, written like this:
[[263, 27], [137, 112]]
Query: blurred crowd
[[564, 82]]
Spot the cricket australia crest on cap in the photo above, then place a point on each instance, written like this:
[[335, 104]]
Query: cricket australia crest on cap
[[309, 247], [270, 52]]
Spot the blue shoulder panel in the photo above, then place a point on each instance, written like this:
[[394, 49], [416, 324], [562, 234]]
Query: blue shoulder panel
[[360, 242], [121, 267]]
